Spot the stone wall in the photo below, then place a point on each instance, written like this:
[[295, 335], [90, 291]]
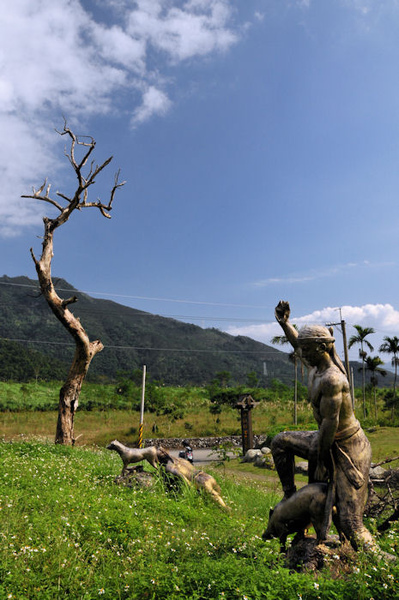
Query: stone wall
[[206, 442]]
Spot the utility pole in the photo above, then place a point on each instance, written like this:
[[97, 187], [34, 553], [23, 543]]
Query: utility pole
[[345, 343], [141, 426]]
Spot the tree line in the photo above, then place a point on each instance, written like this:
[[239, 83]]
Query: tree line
[[372, 364]]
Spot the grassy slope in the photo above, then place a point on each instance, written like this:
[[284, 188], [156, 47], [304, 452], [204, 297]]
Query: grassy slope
[[67, 530]]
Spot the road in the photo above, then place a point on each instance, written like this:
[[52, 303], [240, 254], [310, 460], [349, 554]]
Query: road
[[202, 456]]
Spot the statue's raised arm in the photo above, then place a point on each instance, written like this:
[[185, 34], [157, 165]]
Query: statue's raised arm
[[282, 314]]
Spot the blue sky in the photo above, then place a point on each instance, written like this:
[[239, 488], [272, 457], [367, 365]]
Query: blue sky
[[260, 144]]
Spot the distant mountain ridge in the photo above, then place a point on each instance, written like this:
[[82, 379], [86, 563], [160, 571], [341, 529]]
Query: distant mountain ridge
[[175, 352]]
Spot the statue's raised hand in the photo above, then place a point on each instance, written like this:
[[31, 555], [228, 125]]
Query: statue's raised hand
[[282, 311]]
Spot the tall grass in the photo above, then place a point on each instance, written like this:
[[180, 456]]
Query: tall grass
[[66, 529], [31, 409], [100, 426]]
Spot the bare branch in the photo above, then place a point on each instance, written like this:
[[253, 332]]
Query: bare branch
[[39, 191], [384, 462], [70, 300], [117, 184], [75, 141], [37, 195], [33, 256], [64, 197], [80, 198], [387, 523], [97, 170], [103, 212], [106, 208], [75, 439]]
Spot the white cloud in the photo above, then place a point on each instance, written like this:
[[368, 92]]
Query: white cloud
[[55, 59], [115, 45], [316, 274], [362, 6], [384, 318], [196, 29], [24, 148], [155, 102]]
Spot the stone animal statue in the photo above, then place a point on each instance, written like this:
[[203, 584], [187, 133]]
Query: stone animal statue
[[182, 469], [293, 515], [134, 455]]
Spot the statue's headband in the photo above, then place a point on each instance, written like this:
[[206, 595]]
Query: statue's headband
[[321, 339]]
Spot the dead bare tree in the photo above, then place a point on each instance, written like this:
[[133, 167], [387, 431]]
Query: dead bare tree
[[85, 350], [383, 500]]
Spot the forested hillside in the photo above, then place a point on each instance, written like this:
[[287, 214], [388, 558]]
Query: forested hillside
[[34, 344]]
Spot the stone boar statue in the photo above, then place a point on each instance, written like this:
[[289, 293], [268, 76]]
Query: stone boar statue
[[304, 508]]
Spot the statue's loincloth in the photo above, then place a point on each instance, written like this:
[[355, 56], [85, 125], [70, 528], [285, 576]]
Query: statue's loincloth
[[351, 452]]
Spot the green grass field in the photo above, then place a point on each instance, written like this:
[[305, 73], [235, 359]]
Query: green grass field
[[66, 530]]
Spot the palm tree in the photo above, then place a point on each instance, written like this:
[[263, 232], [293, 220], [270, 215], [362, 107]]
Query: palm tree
[[391, 346], [360, 338], [293, 356], [373, 364]]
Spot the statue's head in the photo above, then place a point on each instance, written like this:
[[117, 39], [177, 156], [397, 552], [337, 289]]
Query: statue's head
[[315, 333], [315, 340]]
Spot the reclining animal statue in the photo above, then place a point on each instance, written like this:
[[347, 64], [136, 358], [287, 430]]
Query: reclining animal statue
[[182, 469]]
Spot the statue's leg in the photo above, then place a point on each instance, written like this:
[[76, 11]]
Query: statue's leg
[[350, 503], [285, 446], [350, 497]]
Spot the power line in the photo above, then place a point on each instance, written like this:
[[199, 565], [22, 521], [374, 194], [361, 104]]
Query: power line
[[177, 300], [146, 315], [191, 350], [24, 341], [147, 348]]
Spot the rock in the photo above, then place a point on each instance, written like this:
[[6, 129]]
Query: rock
[[259, 457], [251, 455], [265, 450], [378, 472], [301, 467], [136, 477], [264, 462]]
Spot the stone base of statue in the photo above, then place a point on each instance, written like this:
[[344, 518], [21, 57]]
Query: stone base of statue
[[136, 477], [307, 555]]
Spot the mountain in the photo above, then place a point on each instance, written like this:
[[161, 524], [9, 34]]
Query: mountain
[[33, 343]]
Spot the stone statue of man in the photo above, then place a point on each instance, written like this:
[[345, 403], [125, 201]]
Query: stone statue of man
[[340, 448]]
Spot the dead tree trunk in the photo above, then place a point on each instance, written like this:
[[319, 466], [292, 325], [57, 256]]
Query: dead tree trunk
[[85, 349], [70, 391]]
